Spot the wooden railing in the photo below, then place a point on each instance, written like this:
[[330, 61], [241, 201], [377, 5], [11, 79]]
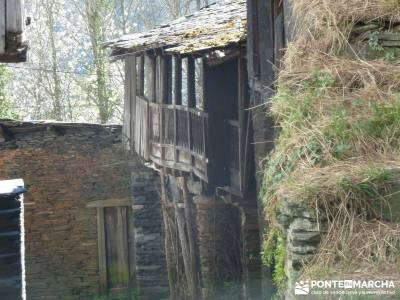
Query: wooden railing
[[172, 135]]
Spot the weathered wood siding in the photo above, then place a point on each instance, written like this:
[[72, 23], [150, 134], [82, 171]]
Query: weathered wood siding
[[12, 25], [11, 277]]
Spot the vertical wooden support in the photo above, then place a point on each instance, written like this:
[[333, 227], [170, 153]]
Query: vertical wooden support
[[2, 26], [129, 102], [177, 99], [191, 82], [167, 239], [180, 220], [153, 79], [140, 76], [178, 81], [15, 17], [195, 273], [101, 237], [132, 253], [164, 96], [242, 78], [122, 246], [165, 74], [133, 93]]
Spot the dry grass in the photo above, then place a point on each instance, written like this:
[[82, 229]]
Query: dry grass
[[360, 250], [338, 116]]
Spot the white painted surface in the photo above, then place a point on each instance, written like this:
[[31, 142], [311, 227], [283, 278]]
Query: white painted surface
[[10, 186]]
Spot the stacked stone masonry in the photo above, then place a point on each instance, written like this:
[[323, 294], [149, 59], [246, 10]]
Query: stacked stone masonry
[[64, 166]]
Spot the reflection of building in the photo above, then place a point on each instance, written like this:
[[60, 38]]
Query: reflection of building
[[194, 128], [12, 285], [13, 47]]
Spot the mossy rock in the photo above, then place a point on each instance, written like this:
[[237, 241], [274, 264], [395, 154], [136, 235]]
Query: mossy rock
[[390, 211]]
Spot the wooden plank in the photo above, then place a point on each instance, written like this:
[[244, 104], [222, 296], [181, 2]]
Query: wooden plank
[[178, 81], [177, 99], [122, 246], [140, 77], [152, 75], [111, 203], [133, 92], [127, 117], [242, 78], [14, 16], [2, 26], [191, 82], [131, 254], [101, 238]]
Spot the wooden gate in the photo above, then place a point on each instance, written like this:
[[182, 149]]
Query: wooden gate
[[115, 230]]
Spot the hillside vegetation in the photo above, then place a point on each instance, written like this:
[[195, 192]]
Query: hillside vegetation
[[337, 110]]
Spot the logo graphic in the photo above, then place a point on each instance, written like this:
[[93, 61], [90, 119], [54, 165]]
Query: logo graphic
[[302, 288]]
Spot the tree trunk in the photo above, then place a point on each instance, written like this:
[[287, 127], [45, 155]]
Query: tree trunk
[[56, 91]]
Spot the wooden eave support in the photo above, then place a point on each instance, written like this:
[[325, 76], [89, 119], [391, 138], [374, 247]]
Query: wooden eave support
[[115, 203]]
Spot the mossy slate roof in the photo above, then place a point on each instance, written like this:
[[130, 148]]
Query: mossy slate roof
[[214, 27]]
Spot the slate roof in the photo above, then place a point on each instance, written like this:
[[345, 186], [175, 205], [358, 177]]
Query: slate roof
[[214, 27]]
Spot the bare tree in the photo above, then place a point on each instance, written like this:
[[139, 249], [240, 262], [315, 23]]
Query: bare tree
[[55, 92]]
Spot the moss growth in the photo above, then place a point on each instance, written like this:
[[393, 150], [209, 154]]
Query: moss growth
[[274, 256]]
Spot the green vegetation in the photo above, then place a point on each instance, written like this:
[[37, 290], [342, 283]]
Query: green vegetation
[[337, 145], [6, 105], [274, 256]]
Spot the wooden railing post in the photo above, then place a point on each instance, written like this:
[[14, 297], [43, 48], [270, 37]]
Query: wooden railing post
[[191, 97], [177, 100]]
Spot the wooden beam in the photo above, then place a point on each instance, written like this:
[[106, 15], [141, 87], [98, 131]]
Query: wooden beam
[[101, 239], [132, 255], [140, 78], [112, 203], [14, 18], [177, 99], [2, 26], [191, 82], [153, 78], [178, 81]]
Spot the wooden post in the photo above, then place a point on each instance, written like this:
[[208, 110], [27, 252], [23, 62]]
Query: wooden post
[[132, 254], [140, 77], [192, 244], [191, 98], [101, 236], [180, 220], [167, 239], [2, 26], [177, 100], [191, 83]]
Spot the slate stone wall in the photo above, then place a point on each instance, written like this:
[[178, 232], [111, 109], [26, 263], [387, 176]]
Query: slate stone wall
[[64, 167], [151, 271]]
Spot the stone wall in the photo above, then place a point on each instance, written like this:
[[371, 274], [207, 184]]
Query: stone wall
[[303, 235], [64, 166], [151, 272]]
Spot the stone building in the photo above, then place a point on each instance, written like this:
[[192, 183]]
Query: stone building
[[187, 116], [78, 207]]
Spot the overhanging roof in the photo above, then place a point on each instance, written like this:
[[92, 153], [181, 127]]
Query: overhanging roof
[[214, 27]]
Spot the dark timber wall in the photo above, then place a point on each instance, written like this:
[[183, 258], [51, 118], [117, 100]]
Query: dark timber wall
[[10, 247]]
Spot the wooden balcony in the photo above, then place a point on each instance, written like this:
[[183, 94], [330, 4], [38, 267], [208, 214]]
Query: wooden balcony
[[172, 136]]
